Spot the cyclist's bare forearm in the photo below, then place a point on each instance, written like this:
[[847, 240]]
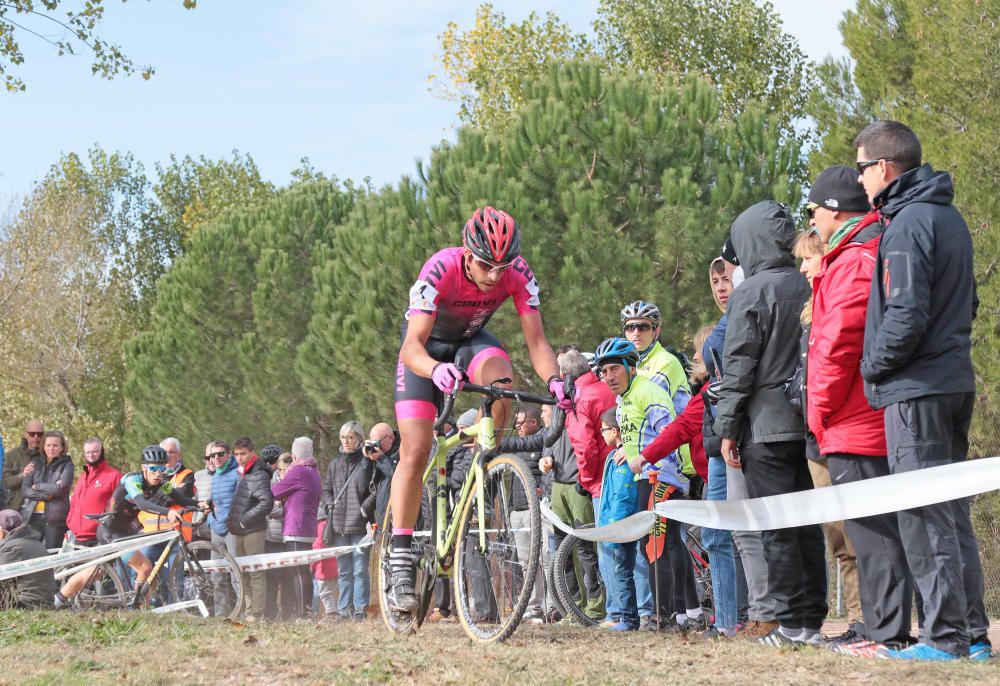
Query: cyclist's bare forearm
[[413, 352], [543, 358]]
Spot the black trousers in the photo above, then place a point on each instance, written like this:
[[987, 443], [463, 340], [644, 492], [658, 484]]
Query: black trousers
[[671, 575], [796, 557], [940, 545], [884, 579]]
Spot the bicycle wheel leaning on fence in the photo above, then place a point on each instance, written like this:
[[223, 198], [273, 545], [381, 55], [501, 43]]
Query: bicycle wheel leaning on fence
[[567, 575]]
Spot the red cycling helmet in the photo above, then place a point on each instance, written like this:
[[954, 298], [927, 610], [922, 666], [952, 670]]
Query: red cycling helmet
[[492, 235]]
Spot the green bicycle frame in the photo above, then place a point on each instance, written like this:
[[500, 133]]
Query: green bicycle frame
[[445, 536]]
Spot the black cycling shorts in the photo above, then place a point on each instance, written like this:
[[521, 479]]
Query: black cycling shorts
[[417, 397]]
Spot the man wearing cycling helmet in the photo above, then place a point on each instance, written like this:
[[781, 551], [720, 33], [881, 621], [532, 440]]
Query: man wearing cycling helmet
[[641, 324], [456, 293], [644, 410], [141, 491]]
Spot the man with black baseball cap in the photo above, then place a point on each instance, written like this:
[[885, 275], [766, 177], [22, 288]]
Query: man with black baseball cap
[[836, 203]]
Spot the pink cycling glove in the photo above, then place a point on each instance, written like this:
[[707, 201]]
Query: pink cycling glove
[[558, 389], [447, 377]]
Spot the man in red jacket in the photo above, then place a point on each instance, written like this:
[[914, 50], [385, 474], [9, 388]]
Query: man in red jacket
[[851, 435], [92, 492]]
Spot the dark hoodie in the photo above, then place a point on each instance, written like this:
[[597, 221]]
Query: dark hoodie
[[923, 298], [761, 348]]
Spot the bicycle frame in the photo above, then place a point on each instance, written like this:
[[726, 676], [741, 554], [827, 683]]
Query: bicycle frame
[[446, 533]]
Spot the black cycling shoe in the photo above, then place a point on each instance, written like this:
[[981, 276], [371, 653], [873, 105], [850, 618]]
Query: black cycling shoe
[[402, 585]]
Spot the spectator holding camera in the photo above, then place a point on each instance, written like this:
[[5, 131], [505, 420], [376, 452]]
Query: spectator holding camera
[[382, 448]]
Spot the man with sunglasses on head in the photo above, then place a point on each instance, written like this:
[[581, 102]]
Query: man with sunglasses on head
[[18, 462], [457, 291]]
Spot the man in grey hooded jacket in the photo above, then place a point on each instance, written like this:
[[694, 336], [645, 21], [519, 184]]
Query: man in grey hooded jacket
[[760, 431]]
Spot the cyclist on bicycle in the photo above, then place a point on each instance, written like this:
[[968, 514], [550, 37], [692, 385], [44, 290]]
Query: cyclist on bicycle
[[144, 491], [456, 293]]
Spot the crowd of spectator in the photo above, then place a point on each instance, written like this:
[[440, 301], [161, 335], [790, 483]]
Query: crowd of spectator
[[854, 365]]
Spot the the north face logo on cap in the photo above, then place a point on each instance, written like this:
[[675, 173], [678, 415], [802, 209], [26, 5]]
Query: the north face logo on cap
[[831, 202]]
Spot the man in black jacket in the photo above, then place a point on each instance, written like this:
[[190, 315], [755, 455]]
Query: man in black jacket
[[247, 522], [18, 542], [760, 431], [918, 366]]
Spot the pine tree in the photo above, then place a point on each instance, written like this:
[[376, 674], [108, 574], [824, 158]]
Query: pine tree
[[217, 359], [624, 188]]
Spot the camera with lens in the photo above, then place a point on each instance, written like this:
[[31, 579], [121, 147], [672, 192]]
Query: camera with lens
[[371, 447]]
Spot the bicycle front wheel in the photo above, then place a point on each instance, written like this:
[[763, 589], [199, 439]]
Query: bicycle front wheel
[[220, 588], [493, 583], [105, 589]]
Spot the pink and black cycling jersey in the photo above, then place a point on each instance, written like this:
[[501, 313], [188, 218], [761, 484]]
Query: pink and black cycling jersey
[[462, 310]]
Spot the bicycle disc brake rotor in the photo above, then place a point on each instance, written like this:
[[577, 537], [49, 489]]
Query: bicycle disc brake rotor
[[425, 579]]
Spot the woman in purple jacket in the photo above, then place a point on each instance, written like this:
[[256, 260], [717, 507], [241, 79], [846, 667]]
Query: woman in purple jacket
[[300, 489]]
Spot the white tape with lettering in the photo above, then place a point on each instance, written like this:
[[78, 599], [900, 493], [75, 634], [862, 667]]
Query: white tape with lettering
[[293, 558], [847, 501], [82, 555]]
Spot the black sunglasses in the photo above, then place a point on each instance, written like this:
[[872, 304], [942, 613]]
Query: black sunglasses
[[221, 453], [871, 163], [639, 327]]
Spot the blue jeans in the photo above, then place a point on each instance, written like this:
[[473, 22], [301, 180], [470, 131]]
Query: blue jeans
[[719, 544], [643, 589], [352, 576], [605, 567], [623, 557]]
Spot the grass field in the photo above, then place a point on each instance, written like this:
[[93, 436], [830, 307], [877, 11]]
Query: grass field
[[130, 648]]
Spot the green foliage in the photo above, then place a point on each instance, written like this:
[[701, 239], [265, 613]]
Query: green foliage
[[486, 66], [217, 359], [72, 271], [739, 46], [191, 192], [624, 188], [935, 67], [76, 30]]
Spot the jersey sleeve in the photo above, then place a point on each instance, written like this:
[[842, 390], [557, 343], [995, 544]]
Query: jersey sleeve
[[425, 293], [523, 287], [133, 486]]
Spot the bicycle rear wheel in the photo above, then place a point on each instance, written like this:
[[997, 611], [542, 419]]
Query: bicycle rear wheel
[[493, 584], [224, 584], [105, 590], [565, 566]]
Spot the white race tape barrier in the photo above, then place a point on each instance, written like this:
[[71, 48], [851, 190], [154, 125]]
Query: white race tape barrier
[[848, 501], [293, 558], [105, 552], [183, 605]]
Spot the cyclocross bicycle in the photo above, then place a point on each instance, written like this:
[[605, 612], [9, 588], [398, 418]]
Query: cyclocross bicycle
[[493, 562], [188, 579]]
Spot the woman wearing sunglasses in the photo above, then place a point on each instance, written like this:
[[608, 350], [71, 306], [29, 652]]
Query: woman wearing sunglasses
[[456, 293]]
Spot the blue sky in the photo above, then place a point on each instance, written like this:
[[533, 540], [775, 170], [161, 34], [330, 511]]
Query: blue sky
[[341, 83]]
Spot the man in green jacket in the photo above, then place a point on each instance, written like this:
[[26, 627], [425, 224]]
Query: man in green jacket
[[18, 542], [19, 459]]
